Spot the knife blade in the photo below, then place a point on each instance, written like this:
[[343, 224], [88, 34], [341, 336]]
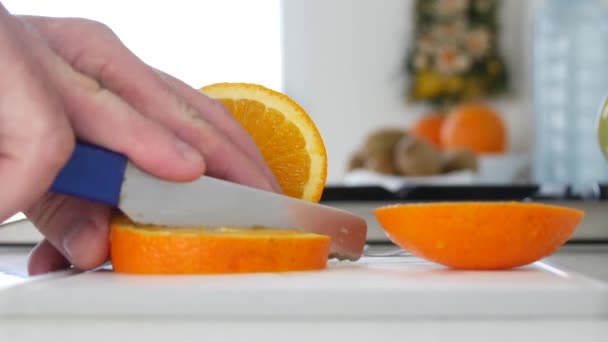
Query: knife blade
[[107, 177]]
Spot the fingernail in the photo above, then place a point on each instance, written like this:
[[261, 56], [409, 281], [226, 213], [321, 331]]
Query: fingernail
[[187, 152], [78, 238]]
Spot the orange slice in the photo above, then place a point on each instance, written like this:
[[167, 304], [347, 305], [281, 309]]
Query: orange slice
[[479, 235], [286, 136], [155, 250]]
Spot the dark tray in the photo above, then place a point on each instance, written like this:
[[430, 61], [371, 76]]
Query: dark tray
[[357, 193], [467, 193], [431, 193]]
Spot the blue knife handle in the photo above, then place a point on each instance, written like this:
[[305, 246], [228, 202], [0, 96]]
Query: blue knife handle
[[92, 173]]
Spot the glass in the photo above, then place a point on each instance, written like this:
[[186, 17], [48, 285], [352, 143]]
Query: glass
[[570, 82]]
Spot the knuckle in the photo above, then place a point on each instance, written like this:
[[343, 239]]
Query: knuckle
[[107, 74], [20, 70], [218, 155], [98, 27], [53, 146], [47, 211], [219, 105], [187, 109]]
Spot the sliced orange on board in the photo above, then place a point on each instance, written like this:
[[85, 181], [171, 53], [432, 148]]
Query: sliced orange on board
[[198, 250], [286, 136], [293, 149], [479, 235]]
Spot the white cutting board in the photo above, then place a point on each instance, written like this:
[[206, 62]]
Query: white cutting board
[[390, 287]]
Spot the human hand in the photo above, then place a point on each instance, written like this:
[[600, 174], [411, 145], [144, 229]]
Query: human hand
[[64, 78]]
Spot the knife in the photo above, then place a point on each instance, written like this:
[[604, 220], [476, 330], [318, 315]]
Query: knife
[[100, 175]]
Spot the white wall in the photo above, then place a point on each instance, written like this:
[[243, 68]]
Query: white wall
[[342, 59], [200, 42]]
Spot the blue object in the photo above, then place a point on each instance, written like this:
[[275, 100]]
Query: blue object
[[92, 173]]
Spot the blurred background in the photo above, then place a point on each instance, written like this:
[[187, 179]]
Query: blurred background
[[403, 91]]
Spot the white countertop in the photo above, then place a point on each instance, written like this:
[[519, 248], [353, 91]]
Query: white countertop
[[102, 306]]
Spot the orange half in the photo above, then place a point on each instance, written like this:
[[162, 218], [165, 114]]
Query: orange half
[[479, 235], [284, 133]]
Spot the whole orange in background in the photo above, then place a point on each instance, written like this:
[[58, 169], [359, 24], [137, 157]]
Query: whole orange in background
[[428, 128], [475, 127]]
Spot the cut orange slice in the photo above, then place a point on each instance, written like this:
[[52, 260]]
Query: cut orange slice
[[286, 136], [155, 250], [479, 235]]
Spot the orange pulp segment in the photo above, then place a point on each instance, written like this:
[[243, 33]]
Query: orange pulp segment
[[284, 133]]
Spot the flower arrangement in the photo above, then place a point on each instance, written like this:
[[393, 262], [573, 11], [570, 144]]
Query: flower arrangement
[[454, 56]]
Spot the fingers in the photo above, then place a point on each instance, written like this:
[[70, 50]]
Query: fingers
[[76, 229], [100, 117], [35, 136], [122, 129], [35, 140], [45, 258], [44, 90], [229, 152], [217, 115]]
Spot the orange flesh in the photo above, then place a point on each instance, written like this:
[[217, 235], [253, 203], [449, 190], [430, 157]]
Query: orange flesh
[[155, 250], [280, 142], [479, 235], [286, 136]]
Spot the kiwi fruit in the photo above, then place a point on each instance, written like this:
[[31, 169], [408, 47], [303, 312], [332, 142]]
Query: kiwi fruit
[[416, 157], [458, 160], [376, 154], [381, 164], [356, 161], [382, 142]]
